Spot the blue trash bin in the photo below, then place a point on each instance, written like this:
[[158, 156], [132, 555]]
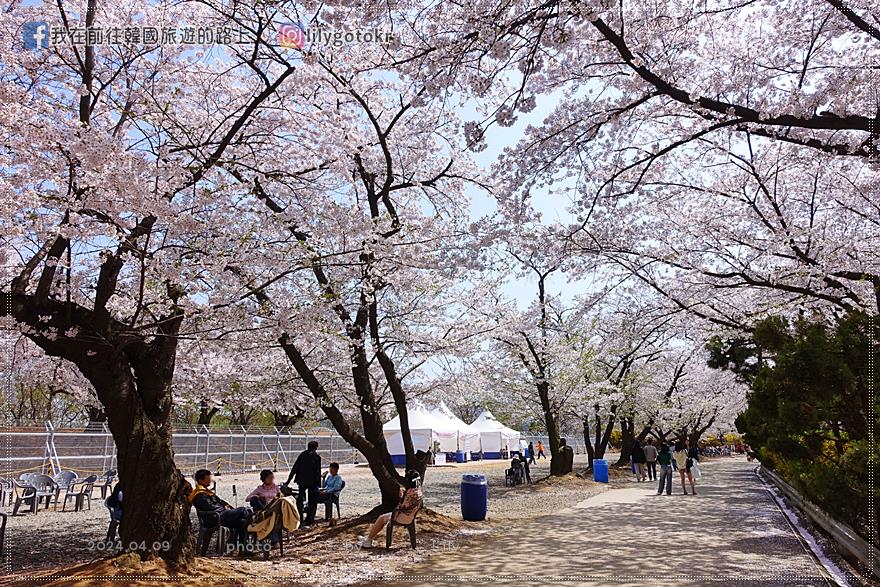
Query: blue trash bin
[[600, 470], [474, 497], [459, 456]]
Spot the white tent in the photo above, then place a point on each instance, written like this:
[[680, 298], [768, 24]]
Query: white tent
[[424, 430], [467, 438], [495, 436]]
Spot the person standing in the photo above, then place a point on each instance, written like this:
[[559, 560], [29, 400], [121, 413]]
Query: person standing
[[651, 459], [524, 463], [693, 454], [306, 473], [540, 447], [665, 460], [683, 462], [531, 450], [639, 460]]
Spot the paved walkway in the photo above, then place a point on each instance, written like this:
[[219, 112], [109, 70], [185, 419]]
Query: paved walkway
[[731, 533]]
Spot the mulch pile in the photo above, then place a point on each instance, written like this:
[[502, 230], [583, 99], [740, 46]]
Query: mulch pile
[[121, 571]]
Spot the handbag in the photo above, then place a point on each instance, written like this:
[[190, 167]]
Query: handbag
[[695, 471]]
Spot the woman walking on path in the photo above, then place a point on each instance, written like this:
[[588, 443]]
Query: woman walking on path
[[684, 462], [665, 460], [639, 460]]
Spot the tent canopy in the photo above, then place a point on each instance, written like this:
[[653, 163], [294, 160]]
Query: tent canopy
[[424, 428], [467, 439], [495, 436]]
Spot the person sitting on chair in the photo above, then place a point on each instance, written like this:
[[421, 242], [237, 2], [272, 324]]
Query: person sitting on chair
[[405, 512], [516, 465], [263, 495], [205, 500], [331, 487]]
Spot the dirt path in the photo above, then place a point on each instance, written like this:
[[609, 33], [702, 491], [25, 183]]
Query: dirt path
[[731, 533]]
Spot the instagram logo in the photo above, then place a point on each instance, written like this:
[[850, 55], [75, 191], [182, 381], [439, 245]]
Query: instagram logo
[[291, 36]]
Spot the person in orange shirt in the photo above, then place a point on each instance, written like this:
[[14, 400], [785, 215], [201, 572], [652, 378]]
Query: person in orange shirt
[[540, 448]]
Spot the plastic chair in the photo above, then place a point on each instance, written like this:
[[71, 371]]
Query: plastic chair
[[7, 491], [33, 490], [209, 523], [411, 528], [80, 492], [335, 500], [65, 481], [25, 494], [106, 486]]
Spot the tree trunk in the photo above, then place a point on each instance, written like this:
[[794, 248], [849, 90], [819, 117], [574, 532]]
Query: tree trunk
[[694, 437], [137, 402], [603, 438], [132, 379], [627, 440], [156, 514], [370, 443], [550, 422], [96, 414], [588, 442], [206, 414]]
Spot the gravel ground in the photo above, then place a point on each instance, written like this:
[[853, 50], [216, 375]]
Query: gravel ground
[[51, 539]]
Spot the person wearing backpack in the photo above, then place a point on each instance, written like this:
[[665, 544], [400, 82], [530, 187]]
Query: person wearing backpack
[[665, 459]]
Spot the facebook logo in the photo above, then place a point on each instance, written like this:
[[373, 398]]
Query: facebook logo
[[36, 35]]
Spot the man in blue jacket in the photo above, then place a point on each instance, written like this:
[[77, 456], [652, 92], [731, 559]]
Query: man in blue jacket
[[332, 486]]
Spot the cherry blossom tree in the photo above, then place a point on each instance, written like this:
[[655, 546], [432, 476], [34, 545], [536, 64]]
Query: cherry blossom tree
[[538, 351], [244, 383], [733, 177], [46, 388], [115, 222], [354, 236]]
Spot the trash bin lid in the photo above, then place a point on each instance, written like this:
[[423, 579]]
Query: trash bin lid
[[473, 479]]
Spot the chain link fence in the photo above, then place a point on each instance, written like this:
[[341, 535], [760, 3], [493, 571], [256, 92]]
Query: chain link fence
[[91, 450]]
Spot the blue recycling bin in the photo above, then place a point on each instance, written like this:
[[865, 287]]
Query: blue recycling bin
[[460, 456], [600, 470], [474, 497]]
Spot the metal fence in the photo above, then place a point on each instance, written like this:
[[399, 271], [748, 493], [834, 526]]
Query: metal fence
[[847, 538], [92, 449], [230, 450]]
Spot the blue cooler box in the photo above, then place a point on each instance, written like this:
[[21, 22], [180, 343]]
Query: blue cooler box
[[474, 497]]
